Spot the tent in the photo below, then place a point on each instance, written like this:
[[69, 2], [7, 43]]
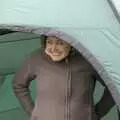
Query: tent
[[92, 27]]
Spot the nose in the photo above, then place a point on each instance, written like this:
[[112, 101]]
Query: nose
[[54, 48]]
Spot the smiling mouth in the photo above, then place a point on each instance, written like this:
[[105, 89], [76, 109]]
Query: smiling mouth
[[56, 54]]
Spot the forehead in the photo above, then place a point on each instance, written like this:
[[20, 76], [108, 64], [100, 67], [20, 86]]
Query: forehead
[[55, 39]]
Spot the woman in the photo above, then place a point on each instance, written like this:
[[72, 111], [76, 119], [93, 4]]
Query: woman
[[65, 82]]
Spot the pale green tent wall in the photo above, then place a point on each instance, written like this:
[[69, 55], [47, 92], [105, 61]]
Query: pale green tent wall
[[58, 13]]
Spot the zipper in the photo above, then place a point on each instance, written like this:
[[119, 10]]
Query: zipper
[[68, 90]]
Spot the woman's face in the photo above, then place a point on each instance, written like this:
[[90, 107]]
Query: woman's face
[[56, 48]]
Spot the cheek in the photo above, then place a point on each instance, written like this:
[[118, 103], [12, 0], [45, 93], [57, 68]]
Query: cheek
[[63, 50]]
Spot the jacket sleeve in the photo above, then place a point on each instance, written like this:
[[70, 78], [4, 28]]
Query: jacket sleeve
[[21, 83]]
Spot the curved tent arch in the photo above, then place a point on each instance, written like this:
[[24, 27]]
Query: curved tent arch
[[104, 68]]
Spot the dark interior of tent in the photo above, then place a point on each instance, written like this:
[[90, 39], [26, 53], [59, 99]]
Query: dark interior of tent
[[15, 46]]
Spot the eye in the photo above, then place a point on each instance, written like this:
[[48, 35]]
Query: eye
[[49, 42], [59, 42]]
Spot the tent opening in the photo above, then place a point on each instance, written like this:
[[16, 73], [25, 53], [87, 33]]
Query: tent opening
[[16, 43]]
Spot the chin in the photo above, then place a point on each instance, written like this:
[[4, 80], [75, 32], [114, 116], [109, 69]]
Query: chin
[[57, 60]]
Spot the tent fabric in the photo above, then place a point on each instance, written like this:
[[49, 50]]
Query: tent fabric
[[115, 4], [14, 48], [92, 27], [90, 43], [13, 114], [54, 13]]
